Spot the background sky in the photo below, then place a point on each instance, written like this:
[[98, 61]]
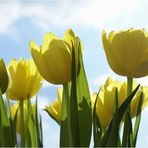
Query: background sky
[[24, 20]]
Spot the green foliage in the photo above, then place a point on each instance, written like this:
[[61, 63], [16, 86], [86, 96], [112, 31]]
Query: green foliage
[[76, 124], [110, 137]]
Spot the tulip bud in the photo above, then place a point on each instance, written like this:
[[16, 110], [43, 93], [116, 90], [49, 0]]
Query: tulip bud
[[3, 77]]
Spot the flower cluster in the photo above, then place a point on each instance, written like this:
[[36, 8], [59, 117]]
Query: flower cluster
[[60, 62]]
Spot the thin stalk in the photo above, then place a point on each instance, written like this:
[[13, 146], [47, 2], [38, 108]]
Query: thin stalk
[[127, 132], [22, 123], [129, 86]]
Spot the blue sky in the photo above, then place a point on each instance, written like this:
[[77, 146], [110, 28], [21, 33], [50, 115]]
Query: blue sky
[[22, 21]]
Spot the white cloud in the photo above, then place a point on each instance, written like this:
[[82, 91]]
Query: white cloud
[[110, 14], [46, 84]]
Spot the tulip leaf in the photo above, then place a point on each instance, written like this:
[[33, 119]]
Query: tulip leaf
[[11, 121], [31, 126], [138, 118], [74, 117], [65, 130], [127, 134], [41, 131], [119, 114], [5, 128], [84, 103], [40, 144], [97, 129], [114, 133]]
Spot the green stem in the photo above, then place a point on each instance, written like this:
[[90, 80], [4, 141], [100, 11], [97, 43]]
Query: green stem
[[129, 86], [127, 140], [22, 131]]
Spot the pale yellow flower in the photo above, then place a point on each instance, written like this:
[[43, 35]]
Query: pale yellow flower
[[127, 52], [53, 58], [54, 109], [106, 99], [25, 81]]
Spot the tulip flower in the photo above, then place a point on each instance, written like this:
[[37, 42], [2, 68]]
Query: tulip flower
[[25, 81], [3, 77], [54, 110], [127, 52], [106, 99], [15, 108], [53, 58]]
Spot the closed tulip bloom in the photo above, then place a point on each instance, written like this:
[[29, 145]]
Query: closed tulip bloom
[[16, 109], [25, 80], [53, 58], [3, 77], [54, 110], [106, 99], [127, 52]]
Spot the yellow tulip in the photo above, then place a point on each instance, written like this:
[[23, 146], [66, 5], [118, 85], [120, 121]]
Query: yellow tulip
[[106, 99], [25, 81], [16, 109], [3, 77], [127, 52], [53, 58], [54, 109]]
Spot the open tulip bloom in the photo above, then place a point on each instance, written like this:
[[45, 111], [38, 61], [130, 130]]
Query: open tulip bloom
[[60, 61]]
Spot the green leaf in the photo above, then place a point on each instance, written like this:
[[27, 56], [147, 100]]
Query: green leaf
[[114, 133], [97, 129], [41, 131], [65, 130], [11, 121], [40, 144], [22, 124], [84, 103], [31, 126], [137, 122], [119, 114], [5, 128], [74, 117], [127, 134]]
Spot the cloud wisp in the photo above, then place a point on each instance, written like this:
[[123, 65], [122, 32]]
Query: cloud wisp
[[100, 14]]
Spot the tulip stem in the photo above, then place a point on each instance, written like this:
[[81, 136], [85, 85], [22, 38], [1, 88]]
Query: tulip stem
[[127, 140], [129, 86], [22, 131]]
